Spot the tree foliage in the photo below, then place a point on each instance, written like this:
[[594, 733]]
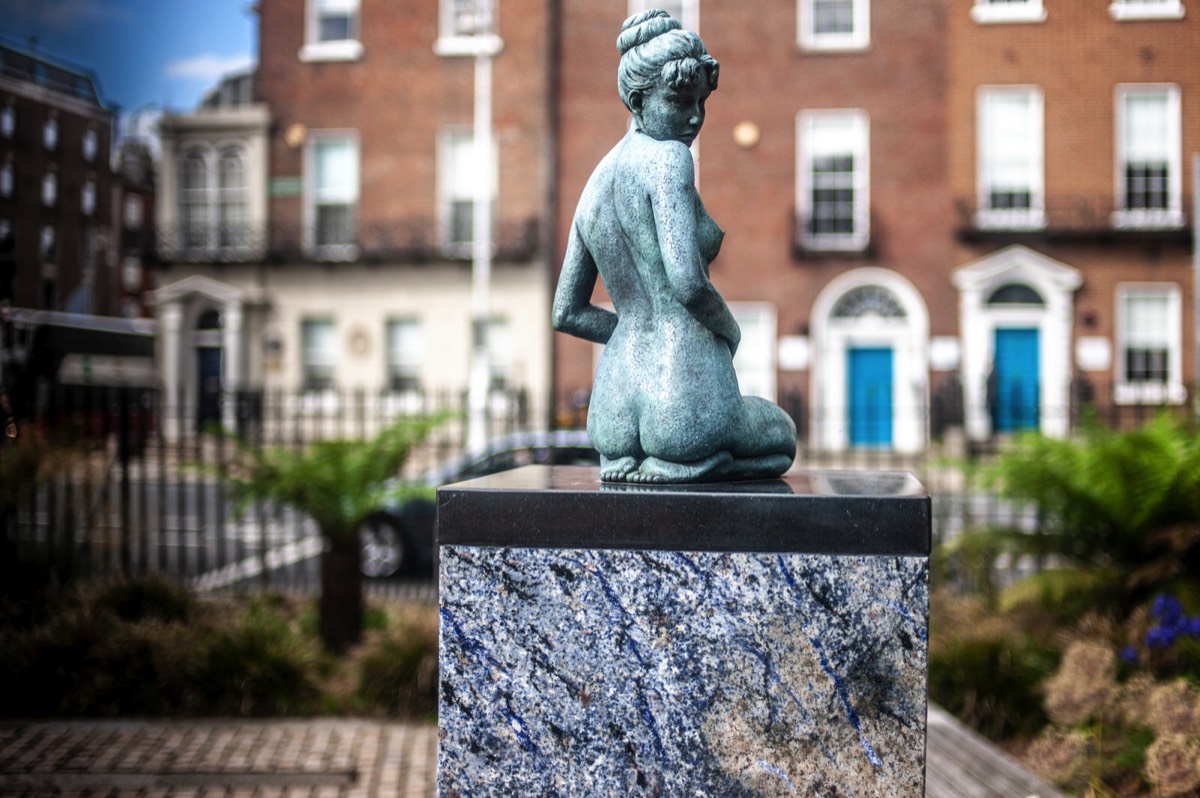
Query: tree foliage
[[1129, 500], [338, 483]]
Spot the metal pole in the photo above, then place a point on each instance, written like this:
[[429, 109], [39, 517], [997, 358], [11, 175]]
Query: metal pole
[[481, 246]]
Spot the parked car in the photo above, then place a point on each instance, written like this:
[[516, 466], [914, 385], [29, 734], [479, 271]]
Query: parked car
[[399, 541]]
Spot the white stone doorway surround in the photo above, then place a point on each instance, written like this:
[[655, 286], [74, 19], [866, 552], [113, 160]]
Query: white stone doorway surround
[[982, 312], [869, 308], [181, 305]]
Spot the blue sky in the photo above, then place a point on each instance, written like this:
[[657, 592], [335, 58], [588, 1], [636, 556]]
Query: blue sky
[[167, 52]]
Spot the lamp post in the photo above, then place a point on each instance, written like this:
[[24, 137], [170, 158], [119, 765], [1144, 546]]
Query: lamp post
[[487, 44]]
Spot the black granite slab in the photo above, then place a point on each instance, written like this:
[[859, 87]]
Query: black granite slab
[[815, 512]]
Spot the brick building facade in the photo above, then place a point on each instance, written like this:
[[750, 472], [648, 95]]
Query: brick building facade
[[938, 214], [56, 184], [355, 275], [1072, 129]]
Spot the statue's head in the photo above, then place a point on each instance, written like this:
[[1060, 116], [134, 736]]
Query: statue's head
[[656, 52]]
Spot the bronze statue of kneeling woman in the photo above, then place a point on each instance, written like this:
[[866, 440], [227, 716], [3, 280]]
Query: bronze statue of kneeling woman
[[665, 405]]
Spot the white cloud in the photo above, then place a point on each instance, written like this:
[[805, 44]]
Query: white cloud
[[208, 66], [62, 14]]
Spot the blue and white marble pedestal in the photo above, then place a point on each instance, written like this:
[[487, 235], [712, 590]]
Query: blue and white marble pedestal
[[750, 639]]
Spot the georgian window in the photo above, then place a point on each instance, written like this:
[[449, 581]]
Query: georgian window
[[332, 31], [405, 353], [1149, 160], [231, 199], [500, 354], [331, 196], [1000, 11], [49, 188], [459, 173], [467, 27], [834, 24], [87, 197], [6, 177], [1146, 9], [195, 216], [318, 354], [212, 201], [1149, 343], [1010, 179], [90, 144], [50, 133], [48, 250], [686, 11], [8, 120], [833, 180]]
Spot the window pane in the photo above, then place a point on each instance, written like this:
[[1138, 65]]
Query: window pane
[[405, 345], [336, 163], [334, 225], [1146, 186], [1147, 336], [319, 342], [335, 28], [833, 16]]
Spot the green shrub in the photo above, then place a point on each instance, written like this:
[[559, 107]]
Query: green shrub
[[148, 597], [991, 684], [1064, 594], [398, 670], [258, 664]]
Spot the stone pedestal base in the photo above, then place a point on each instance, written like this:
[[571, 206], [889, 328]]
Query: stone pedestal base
[[789, 661]]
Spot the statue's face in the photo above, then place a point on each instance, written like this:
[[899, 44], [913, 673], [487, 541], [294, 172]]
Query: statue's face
[[670, 114]]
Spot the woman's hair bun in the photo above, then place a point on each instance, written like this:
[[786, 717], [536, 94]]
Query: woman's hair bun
[[641, 28]]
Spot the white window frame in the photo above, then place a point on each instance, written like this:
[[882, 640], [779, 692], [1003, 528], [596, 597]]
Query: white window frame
[[1172, 216], [1129, 10], [90, 144], [50, 189], [987, 217], [857, 39], [315, 49], [87, 197], [756, 361], [48, 251], [453, 42], [1172, 390], [688, 16], [308, 363], [990, 12], [50, 133], [350, 194], [453, 143], [859, 146], [405, 363]]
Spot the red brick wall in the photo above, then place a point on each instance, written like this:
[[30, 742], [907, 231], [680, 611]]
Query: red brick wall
[[1078, 56], [398, 96], [767, 79]]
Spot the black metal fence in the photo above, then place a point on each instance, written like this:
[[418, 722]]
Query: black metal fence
[[126, 481]]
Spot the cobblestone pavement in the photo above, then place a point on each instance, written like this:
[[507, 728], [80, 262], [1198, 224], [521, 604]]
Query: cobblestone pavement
[[195, 759]]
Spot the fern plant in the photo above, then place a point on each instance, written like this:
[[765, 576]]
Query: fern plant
[[339, 484], [1124, 500]]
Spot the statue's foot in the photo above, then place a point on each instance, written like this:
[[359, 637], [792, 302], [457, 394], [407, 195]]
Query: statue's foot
[[655, 470], [617, 470]]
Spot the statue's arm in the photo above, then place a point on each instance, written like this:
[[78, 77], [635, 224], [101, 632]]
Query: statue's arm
[[573, 311], [674, 202]]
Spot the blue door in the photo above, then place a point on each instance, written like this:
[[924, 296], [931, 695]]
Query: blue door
[[1014, 387], [208, 405], [870, 394]]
